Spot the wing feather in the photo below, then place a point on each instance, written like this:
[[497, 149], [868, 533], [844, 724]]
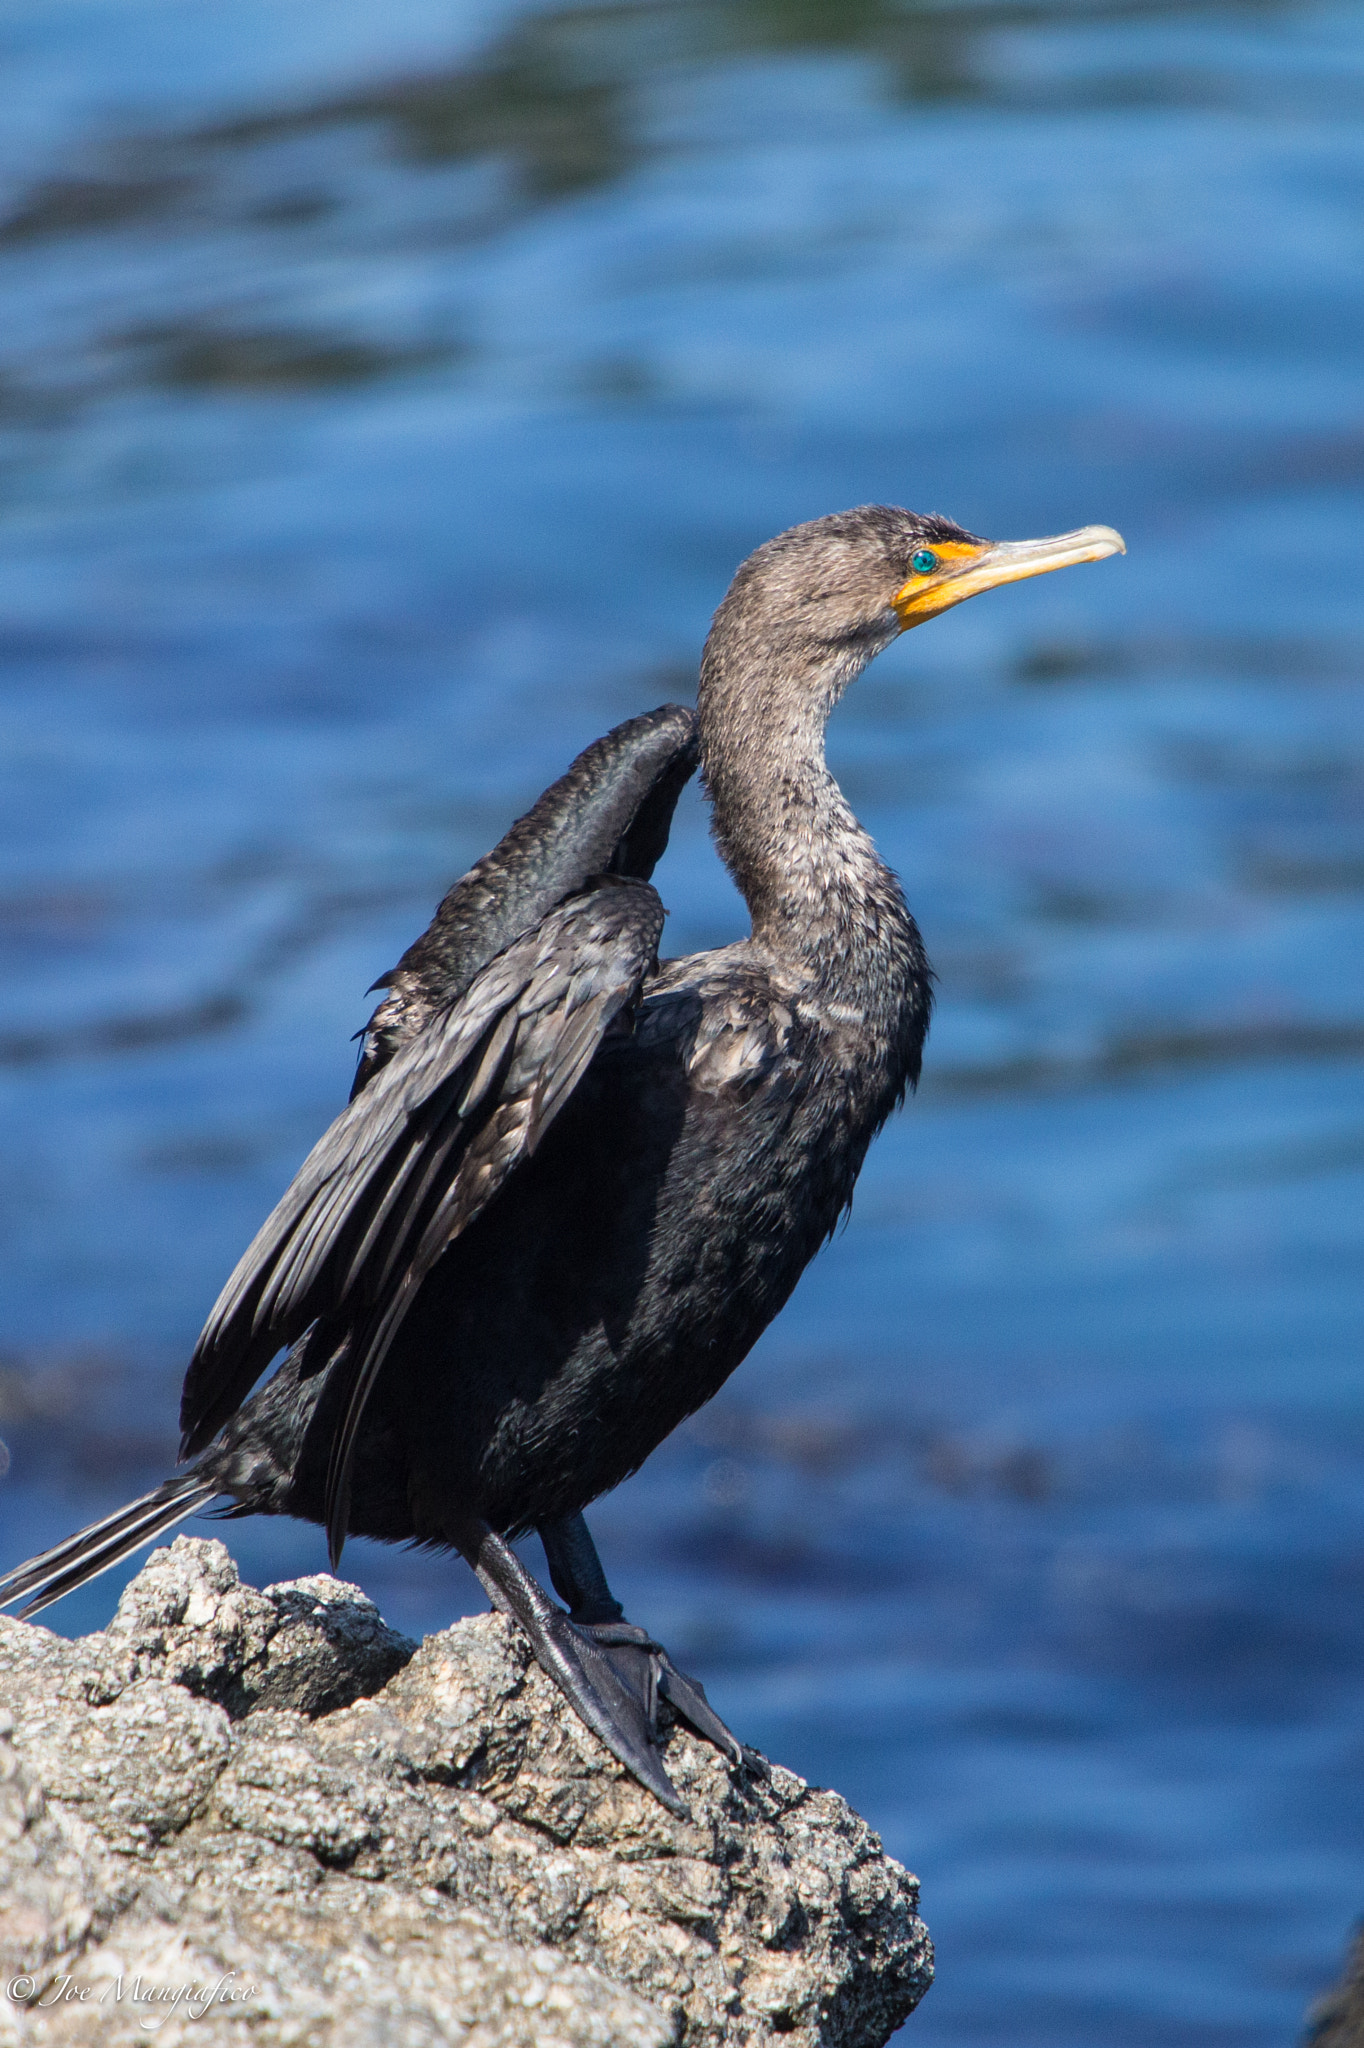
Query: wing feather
[[610, 813], [550, 1057], [418, 1154]]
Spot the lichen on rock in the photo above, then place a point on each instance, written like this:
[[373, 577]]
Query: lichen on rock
[[360, 1841]]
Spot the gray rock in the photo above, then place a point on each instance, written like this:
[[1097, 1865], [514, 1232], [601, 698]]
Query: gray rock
[[364, 1842], [316, 1644], [1337, 2020]]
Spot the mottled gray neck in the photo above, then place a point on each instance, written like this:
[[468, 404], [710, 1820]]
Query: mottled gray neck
[[817, 892]]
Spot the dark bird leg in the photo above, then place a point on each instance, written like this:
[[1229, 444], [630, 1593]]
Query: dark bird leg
[[641, 1664], [581, 1666], [576, 1571]]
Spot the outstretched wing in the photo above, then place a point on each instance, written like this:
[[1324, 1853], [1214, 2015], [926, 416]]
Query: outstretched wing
[[418, 1154]]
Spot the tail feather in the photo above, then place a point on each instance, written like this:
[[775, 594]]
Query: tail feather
[[104, 1544]]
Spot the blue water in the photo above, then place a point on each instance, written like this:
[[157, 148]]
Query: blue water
[[386, 396]]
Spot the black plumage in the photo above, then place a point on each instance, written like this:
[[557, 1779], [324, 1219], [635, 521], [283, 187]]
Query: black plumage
[[573, 1184]]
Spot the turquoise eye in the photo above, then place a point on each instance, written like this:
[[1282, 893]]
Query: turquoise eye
[[923, 561]]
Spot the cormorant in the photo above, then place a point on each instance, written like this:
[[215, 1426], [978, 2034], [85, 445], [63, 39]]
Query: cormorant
[[574, 1183]]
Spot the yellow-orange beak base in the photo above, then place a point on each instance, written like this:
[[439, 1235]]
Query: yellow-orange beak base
[[964, 568]]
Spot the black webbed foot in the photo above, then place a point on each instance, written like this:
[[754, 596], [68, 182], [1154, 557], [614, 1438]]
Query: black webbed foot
[[613, 1685], [611, 1672], [613, 1706], [642, 1665], [649, 1673]]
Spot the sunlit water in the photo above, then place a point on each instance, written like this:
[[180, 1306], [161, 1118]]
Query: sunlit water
[[386, 396]]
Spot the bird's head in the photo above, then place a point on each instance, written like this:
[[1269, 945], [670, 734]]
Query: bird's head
[[855, 580]]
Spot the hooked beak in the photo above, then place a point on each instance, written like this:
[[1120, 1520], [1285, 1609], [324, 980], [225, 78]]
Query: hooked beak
[[963, 571]]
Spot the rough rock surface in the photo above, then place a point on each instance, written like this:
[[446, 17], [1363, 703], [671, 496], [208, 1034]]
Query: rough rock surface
[[361, 1843]]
